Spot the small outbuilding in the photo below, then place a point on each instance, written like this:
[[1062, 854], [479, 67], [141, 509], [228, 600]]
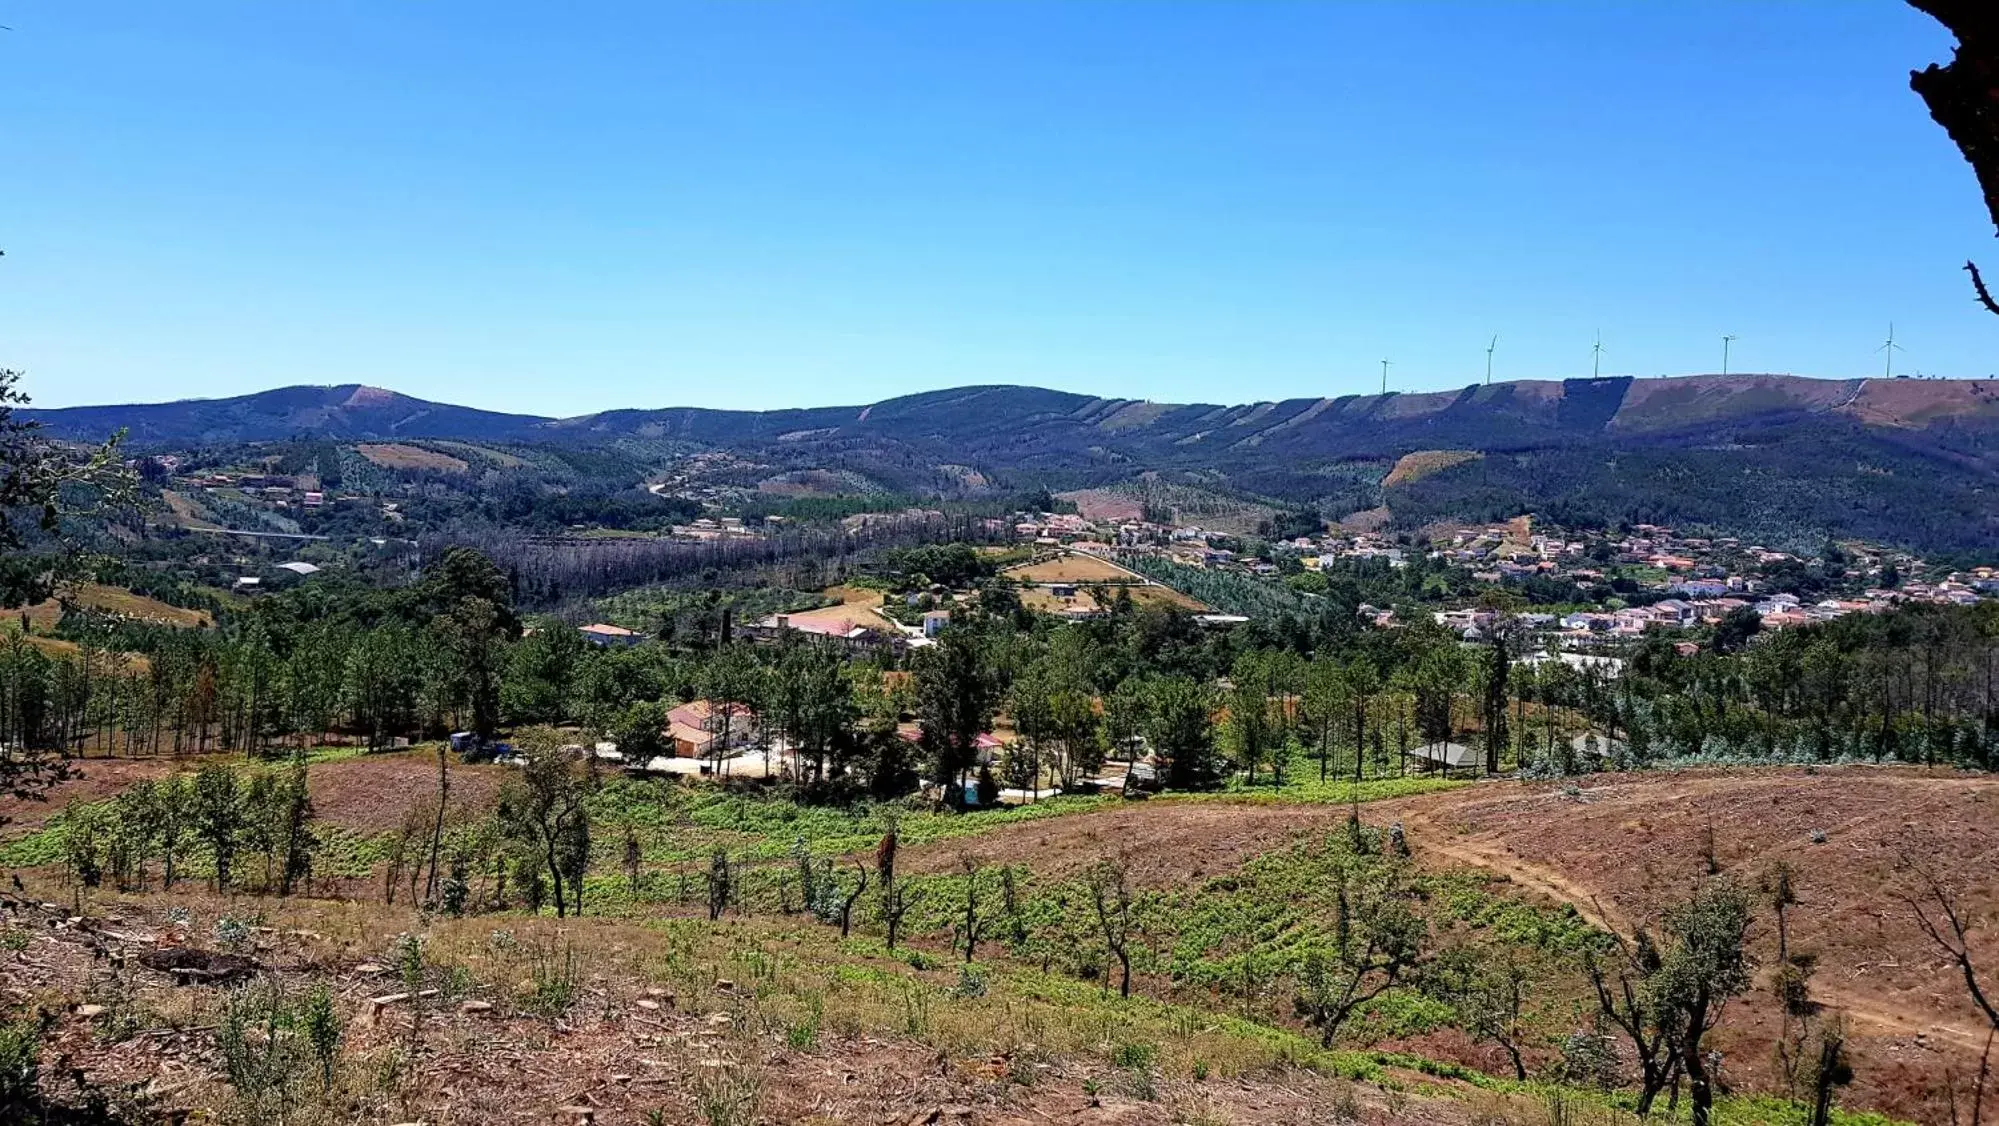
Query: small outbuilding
[[1446, 757]]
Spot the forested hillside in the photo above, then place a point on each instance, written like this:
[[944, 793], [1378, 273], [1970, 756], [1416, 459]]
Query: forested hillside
[[1782, 458]]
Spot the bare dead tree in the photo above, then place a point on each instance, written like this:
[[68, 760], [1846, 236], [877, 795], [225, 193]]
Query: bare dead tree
[[1010, 916], [973, 925], [548, 569], [1937, 911], [1779, 887], [1625, 1001], [1963, 97], [1977, 1088], [1978, 287], [721, 881], [847, 905], [1110, 893], [1941, 916], [1377, 938], [437, 824], [1832, 1069], [634, 861], [897, 899]]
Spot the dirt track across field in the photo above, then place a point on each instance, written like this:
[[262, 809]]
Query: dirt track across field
[[1622, 847]]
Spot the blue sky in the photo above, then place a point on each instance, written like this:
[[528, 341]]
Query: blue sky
[[561, 208]]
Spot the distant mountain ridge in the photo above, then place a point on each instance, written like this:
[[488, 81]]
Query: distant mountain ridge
[[1524, 410], [1903, 461], [348, 411]]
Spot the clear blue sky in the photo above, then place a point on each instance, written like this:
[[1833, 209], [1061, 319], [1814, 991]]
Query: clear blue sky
[[564, 207]]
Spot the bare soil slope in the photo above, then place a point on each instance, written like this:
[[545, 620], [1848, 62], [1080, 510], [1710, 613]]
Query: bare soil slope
[[371, 793], [1624, 846]]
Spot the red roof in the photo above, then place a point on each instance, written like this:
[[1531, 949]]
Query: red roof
[[697, 713], [604, 629]]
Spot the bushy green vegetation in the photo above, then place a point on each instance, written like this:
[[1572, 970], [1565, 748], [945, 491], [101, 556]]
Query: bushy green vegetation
[[681, 822], [448, 652], [252, 827], [1230, 592], [1348, 903]]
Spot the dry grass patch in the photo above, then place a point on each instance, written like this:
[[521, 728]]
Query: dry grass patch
[[1105, 504], [1035, 598], [186, 511], [501, 458], [845, 616], [1071, 568], [116, 601], [395, 455], [1410, 468]]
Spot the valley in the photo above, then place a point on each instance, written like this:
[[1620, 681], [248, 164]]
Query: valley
[[1041, 565]]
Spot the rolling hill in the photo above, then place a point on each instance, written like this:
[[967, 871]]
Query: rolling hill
[[348, 411], [1778, 456]]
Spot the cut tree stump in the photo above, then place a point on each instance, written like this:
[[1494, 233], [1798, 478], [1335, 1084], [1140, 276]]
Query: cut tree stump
[[377, 1004], [188, 964]]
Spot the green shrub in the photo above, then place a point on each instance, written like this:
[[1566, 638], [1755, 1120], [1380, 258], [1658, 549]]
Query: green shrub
[[803, 1034], [971, 983], [264, 1055], [557, 979], [728, 1094], [323, 1029], [20, 1060]]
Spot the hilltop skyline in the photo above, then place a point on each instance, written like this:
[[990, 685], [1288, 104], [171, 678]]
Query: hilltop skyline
[[745, 209], [370, 396]]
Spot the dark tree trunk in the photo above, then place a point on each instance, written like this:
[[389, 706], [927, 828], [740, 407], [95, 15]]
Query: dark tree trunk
[[1700, 1085], [1963, 97]]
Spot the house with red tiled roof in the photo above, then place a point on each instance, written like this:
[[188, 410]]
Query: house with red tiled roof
[[704, 729], [986, 746], [861, 628], [605, 634]]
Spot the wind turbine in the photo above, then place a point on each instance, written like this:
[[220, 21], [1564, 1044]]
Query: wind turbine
[[1384, 377], [1488, 358], [1725, 342], [1596, 361], [1888, 363]]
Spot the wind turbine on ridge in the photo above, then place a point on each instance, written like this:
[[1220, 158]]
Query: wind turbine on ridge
[[1888, 362]]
